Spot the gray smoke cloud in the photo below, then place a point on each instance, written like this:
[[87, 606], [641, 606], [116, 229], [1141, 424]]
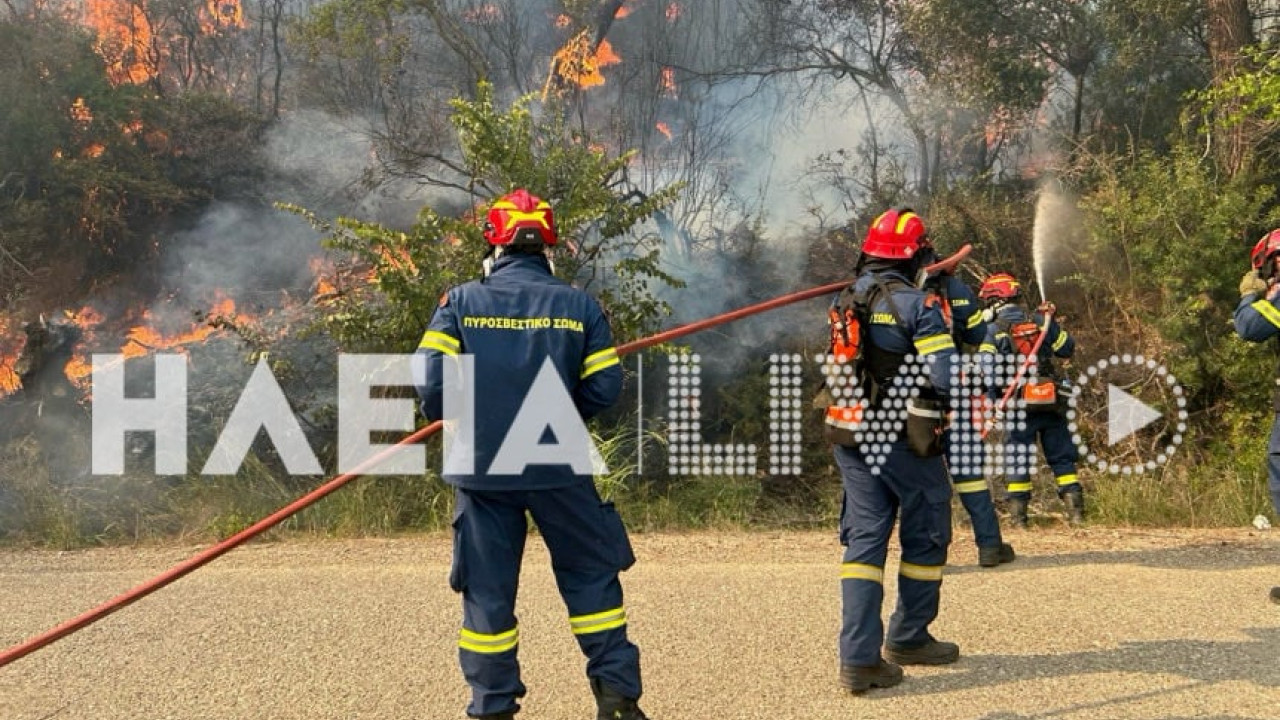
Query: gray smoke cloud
[[782, 215], [255, 251], [252, 252], [331, 165]]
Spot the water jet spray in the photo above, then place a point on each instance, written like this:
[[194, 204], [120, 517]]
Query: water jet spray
[[1040, 235]]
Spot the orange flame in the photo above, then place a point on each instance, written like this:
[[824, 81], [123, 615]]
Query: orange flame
[[579, 62], [324, 271], [665, 129], [605, 56], [668, 82], [80, 112], [673, 12], [334, 279], [623, 11], [10, 383], [145, 338], [219, 15], [86, 318], [124, 39], [11, 343], [563, 21], [78, 369], [399, 259]]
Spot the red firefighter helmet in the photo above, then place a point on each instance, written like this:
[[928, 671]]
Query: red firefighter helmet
[[519, 218], [1267, 248], [895, 235], [1001, 285]]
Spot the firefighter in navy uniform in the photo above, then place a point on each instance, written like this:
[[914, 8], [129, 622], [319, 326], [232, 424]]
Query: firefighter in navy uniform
[[1012, 332], [1257, 319], [909, 484], [514, 322], [963, 313]]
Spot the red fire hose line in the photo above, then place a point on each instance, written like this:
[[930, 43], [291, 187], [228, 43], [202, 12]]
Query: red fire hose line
[[216, 551], [207, 555], [1017, 378]]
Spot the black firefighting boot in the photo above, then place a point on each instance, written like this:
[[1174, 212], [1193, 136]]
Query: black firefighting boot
[[495, 716], [996, 555], [933, 652], [1074, 500], [1275, 595], [1018, 512], [858, 679], [612, 706]]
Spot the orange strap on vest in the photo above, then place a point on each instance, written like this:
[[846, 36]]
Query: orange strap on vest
[[844, 334]]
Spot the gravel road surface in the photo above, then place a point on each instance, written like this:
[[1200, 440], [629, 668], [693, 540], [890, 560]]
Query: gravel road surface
[[1091, 623]]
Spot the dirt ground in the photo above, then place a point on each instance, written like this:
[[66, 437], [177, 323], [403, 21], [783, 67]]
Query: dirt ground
[[1091, 623]]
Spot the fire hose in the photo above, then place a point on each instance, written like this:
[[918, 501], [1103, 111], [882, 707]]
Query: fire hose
[[221, 548]]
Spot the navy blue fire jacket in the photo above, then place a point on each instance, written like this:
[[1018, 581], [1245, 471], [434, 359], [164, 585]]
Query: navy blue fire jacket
[[1257, 318], [1056, 343], [512, 323], [918, 328], [967, 326]]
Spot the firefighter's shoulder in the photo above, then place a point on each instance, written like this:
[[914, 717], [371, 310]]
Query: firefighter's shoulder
[[1257, 319], [454, 293], [449, 301]]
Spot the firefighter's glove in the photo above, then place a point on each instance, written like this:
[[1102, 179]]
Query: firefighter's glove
[[1047, 308], [1251, 284]]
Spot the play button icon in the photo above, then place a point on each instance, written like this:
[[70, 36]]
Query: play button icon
[[1126, 414]]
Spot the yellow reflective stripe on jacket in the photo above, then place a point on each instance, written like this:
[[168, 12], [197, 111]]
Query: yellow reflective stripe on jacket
[[1268, 311], [927, 573], [974, 320], [1062, 340], [861, 571], [436, 340], [934, 343], [1020, 486], [598, 622], [1068, 479], [987, 348], [971, 486], [488, 644], [596, 362]]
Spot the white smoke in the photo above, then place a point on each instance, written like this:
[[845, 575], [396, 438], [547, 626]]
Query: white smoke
[[331, 165]]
